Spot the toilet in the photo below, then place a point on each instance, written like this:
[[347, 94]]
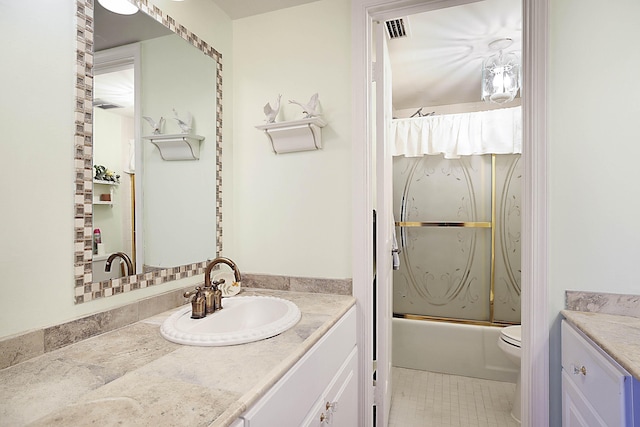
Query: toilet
[[509, 342]]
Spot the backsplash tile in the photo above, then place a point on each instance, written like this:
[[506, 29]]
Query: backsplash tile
[[298, 284], [62, 335], [605, 303], [325, 286], [264, 281], [14, 350]]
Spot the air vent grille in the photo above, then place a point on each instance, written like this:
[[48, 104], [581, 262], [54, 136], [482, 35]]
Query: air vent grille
[[396, 28]]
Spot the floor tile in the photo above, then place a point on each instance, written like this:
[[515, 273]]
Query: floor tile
[[430, 399]]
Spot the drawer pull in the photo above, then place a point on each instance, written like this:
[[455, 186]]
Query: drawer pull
[[325, 419], [581, 370], [332, 406]]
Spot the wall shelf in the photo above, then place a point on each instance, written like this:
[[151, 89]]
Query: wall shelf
[[103, 182], [96, 194], [179, 146], [295, 135]]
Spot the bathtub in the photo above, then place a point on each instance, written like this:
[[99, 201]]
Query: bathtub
[[451, 348]]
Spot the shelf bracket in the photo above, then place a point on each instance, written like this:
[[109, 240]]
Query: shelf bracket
[[177, 146]]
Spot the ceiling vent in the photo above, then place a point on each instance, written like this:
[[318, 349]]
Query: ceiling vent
[[105, 105], [396, 28]]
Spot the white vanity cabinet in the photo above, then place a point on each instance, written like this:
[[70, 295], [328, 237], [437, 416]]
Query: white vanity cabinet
[[321, 389], [596, 391]]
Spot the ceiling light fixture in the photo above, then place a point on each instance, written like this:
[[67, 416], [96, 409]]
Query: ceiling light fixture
[[122, 7], [500, 74]]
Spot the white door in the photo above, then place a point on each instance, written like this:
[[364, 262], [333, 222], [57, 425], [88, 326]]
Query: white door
[[384, 229]]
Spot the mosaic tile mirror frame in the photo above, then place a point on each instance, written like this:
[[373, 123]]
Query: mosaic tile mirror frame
[[85, 288]]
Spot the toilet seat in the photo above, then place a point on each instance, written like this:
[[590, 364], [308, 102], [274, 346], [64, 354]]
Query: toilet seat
[[512, 335]]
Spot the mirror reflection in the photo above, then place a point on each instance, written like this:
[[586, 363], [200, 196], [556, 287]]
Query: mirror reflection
[[158, 213], [114, 170]]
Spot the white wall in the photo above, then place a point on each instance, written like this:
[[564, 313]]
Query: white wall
[[594, 151], [292, 211], [36, 158]]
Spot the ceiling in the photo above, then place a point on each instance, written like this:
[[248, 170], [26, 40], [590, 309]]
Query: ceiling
[[237, 9], [113, 30], [438, 63]]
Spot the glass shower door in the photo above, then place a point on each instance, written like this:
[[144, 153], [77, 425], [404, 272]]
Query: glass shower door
[[457, 222]]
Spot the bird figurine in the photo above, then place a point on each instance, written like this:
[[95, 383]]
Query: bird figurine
[[185, 125], [156, 126], [272, 112], [311, 108]]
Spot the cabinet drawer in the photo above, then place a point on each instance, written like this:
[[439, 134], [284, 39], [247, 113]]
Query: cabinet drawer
[[600, 380]]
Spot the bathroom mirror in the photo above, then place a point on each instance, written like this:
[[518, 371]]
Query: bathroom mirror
[[165, 215]]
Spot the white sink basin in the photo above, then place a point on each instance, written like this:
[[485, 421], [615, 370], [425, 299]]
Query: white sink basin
[[241, 320]]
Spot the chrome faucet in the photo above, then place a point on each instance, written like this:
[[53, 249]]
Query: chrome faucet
[[125, 258], [212, 294]]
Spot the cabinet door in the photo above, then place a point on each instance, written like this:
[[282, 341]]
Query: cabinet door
[[342, 398], [338, 406], [576, 410]]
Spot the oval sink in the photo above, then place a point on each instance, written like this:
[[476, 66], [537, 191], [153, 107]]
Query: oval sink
[[241, 320]]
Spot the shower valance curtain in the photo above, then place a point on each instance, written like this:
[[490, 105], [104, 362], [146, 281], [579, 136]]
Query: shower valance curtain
[[454, 135]]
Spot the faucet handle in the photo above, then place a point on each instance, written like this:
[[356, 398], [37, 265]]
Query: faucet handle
[[192, 293]]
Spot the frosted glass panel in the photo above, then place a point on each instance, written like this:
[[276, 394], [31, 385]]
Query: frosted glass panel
[[431, 188], [508, 225], [445, 273], [446, 270]]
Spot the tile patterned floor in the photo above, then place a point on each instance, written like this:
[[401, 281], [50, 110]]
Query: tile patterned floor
[[428, 399]]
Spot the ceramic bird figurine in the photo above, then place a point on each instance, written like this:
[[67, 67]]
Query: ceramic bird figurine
[[311, 108], [156, 126], [185, 125], [272, 112]]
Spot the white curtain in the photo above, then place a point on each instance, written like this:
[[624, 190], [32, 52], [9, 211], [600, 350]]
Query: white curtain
[[454, 135]]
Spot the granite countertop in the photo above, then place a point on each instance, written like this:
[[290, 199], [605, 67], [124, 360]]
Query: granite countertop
[[618, 336], [133, 376]]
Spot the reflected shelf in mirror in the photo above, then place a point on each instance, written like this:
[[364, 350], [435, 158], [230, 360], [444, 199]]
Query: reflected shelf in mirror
[[101, 198], [177, 146]]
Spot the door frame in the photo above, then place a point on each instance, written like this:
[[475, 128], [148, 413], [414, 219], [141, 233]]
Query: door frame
[[535, 329]]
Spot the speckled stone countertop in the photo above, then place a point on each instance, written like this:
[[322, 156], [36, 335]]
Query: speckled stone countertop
[[618, 336], [133, 376]]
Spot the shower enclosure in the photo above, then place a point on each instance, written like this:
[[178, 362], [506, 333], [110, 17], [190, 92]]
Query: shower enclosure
[[458, 229]]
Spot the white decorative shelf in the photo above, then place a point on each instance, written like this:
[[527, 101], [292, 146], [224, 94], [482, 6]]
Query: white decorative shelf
[[97, 195], [295, 135], [180, 146]]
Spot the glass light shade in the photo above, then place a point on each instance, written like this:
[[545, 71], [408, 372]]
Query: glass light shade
[[122, 7], [500, 77]]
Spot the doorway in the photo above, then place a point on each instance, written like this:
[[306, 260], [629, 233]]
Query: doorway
[[535, 329]]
